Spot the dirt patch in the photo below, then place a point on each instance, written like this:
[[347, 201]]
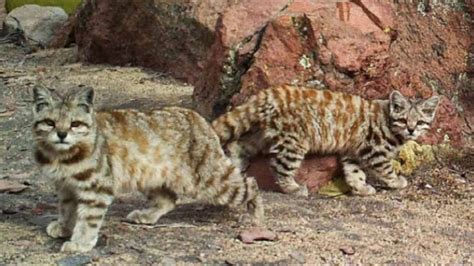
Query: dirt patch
[[429, 222]]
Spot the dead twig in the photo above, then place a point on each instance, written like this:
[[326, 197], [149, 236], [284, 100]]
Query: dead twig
[[172, 225]]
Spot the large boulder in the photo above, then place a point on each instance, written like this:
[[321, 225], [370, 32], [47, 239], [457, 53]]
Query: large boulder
[[38, 23], [169, 36]]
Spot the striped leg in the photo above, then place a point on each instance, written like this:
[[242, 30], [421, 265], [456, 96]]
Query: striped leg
[[384, 172], [254, 201], [90, 212], [67, 215], [378, 160], [163, 201], [356, 178], [285, 164]]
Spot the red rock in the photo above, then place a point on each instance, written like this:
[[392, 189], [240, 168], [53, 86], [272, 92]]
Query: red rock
[[238, 30], [169, 36], [314, 172], [256, 234], [65, 35], [305, 38]]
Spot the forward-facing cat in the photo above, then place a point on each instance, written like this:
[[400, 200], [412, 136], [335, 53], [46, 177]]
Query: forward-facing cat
[[92, 156], [289, 122]]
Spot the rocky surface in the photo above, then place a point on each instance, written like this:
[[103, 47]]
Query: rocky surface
[[38, 23], [429, 222]]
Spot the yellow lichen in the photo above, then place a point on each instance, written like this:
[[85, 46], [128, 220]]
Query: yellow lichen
[[411, 156], [335, 187]]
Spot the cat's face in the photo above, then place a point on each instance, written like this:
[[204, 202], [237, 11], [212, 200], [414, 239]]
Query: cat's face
[[411, 118], [61, 123]]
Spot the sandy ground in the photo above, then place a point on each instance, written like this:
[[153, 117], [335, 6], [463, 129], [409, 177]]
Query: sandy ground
[[432, 221]]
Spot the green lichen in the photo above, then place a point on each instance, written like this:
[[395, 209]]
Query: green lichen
[[69, 6], [301, 26], [305, 61], [233, 69]]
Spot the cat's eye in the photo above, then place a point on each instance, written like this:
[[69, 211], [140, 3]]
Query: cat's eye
[[49, 122], [41, 106], [397, 108], [84, 107], [76, 124], [402, 120], [419, 123]]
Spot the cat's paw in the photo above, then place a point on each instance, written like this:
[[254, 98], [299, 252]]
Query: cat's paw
[[397, 183], [302, 192], [71, 246], [56, 230], [365, 190], [141, 217], [291, 187]]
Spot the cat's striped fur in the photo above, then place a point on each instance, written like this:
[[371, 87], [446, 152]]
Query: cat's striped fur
[[93, 156], [290, 122]]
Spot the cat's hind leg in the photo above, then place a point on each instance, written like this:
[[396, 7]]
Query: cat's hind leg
[[287, 159], [356, 178], [162, 201]]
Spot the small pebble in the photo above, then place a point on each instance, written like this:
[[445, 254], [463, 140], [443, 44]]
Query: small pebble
[[74, 260]]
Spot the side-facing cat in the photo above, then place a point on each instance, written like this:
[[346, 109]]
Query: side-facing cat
[[92, 156], [289, 122]]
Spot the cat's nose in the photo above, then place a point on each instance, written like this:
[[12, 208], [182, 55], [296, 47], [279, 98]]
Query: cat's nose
[[411, 130], [62, 135]]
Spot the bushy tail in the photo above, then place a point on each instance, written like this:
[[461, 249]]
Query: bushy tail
[[238, 121]]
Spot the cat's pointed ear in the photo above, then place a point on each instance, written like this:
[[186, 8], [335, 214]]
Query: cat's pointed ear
[[85, 95], [85, 98], [430, 105], [42, 98], [397, 102]]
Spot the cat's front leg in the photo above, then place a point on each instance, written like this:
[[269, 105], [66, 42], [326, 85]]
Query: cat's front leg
[[356, 178], [90, 212], [67, 210], [384, 172]]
